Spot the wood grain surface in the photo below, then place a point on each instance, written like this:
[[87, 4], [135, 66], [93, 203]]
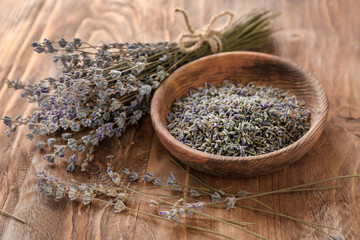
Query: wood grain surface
[[322, 36]]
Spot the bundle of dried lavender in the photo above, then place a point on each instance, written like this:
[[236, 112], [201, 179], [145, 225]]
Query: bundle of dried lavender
[[104, 89]]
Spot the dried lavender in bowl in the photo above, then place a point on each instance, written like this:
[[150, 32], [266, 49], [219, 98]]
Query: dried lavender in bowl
[[236, 120]]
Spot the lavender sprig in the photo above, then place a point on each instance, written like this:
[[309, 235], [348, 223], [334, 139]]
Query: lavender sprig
[[173, 211]]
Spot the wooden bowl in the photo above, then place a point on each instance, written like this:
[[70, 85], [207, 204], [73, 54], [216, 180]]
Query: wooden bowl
[[242, 67]]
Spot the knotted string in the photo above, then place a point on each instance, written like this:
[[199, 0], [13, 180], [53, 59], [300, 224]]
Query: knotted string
[[209, 35]]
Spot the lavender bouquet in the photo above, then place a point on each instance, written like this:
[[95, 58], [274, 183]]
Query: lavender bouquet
[[104, 89]]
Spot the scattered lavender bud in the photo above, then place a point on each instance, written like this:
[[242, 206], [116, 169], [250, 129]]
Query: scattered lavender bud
[[8, 132], [94, 140], [119, 206], [83, 187], [171, 181], [111, 192], [62, 42], [77, 42], [115, 177], [133, 176], [181, 211], [16, 84], [73, 192], [73, 159], [40, 145], [53, 127], [165, 214], [49, 157], [145, 90], [215, 197], [115, 74], [29, 136], [149, 176], [35, 44], [35, 131], [139, 67], [49, 45], [71, 141], [158, 182], [242, 193], [31, 125], [105, 47], [7, 121], [44, 131], [39, 49], [69, 48], [60, 192], [85, 139], [64, 123], [199, 205], [75, 126], [153, 203], [59, 150], [163, 58], [66, 136], [84, 166], [194, 193], [70, 167], [88, 197], [174, 214], [221, 192], [126, 171], [50, 190], [51, 141], [81, 148], [230, 203], [121, 196], [55, 59]]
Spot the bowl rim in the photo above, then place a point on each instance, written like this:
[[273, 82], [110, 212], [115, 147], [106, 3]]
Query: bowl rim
[[164, 134]]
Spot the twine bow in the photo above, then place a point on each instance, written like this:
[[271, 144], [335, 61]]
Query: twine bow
[[209, 35]]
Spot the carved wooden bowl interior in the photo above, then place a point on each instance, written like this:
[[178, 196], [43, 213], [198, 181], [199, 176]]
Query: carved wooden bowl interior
[[242, 67]]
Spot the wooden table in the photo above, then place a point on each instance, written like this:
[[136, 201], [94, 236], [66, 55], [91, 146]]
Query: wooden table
[[321, 36]]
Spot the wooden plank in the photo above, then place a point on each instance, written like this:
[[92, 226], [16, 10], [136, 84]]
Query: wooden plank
[[322, 36]]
